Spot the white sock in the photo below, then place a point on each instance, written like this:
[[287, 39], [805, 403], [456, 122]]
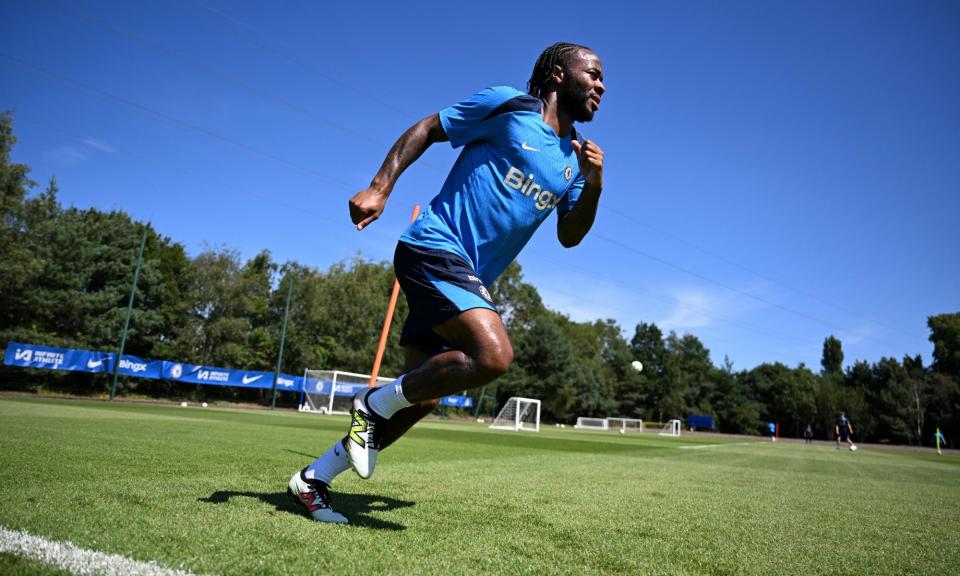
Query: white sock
[[389, 399], [328, 466]]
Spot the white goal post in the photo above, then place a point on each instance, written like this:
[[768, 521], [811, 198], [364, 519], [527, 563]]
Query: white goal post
[[519, 414], [671, 428], [625, 424], [332, 391], [617, 424], [585, 423]]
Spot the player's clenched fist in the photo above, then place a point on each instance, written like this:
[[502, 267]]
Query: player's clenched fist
[[590, 157], [366, 206]]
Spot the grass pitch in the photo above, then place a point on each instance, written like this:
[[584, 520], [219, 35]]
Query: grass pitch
[[204, 490]]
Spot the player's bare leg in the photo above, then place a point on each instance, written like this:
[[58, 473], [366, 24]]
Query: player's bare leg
[[403, 420], [480, 352]]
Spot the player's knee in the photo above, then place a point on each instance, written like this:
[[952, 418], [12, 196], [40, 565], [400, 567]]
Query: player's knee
[[495, 362]]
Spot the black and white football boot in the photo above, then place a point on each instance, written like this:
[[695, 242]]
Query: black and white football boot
[[363, 439], [314, 495]]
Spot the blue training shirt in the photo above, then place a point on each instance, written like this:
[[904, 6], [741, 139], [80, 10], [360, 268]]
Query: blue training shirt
[[513, 171]]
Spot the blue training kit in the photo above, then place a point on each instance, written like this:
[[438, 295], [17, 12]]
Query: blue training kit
[[513, 171]]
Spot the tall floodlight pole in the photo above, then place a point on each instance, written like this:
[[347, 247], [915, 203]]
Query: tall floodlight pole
[[283, 336], [126, 320]]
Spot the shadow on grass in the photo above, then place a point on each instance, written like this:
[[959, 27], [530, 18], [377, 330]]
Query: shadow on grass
[[304, 454], [356, 507]]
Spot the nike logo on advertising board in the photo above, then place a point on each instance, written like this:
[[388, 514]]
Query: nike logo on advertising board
[[249, 379], [94, 364], [525, 147]]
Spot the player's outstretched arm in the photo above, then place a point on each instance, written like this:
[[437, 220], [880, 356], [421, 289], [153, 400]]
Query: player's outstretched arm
[[367, 205], [575, 224]]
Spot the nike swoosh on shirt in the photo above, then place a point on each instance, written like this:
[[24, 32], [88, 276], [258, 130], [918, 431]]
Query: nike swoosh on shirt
[[525, 147]]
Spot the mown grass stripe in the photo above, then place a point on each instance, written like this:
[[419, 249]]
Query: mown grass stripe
[[76, 560], [702, 446]]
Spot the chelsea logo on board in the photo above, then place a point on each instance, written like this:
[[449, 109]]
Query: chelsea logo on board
[[568, 173]]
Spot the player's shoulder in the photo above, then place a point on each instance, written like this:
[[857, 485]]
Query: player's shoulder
[[505, 100], [504, 93]]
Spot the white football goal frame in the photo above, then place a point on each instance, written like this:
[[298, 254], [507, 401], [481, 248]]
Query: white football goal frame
[[519, 414], [671, 428], [586, 423], [332, 391], [625, 424]]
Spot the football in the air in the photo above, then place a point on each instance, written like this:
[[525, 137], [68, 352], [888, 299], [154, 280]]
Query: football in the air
[[637, 365]]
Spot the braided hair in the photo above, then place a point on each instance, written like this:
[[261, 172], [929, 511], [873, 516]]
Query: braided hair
[[560, 54]]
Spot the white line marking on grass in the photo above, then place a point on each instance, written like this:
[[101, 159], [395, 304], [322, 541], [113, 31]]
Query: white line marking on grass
[[699, 446], [66, 556]]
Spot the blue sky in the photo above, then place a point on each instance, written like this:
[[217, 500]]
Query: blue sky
[[776, 172]]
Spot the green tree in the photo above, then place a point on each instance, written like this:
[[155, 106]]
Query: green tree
[[789, 396], [18, 266], [518, 302], [943, 407], [945, 335], [543, 368], [737, 411], [339, 316], [832, 360], [687, 381], [890, 401], [858, 385], [917, 383], [648, 347]]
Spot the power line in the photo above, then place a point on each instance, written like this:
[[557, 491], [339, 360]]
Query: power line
[[297, 209], [760, 275], [360, 136], [224, 77], [300, 210], [671, 300], [272, 47], [639, 252], [216, 73], [675, 237], [176, 122], [218, 137]]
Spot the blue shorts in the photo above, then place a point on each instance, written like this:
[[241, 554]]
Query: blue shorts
[[438, 285]]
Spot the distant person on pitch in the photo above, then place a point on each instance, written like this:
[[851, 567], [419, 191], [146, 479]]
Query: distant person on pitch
[[808, 434], [843, 430], [772, 428], [522, 159]]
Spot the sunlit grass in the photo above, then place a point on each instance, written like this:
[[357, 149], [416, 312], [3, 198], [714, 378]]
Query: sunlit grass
[[204, 490]]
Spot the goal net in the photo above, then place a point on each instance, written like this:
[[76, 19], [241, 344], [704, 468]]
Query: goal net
[[592, 423], [332, 391], [519, 414], [625, 424], [671, 428]]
